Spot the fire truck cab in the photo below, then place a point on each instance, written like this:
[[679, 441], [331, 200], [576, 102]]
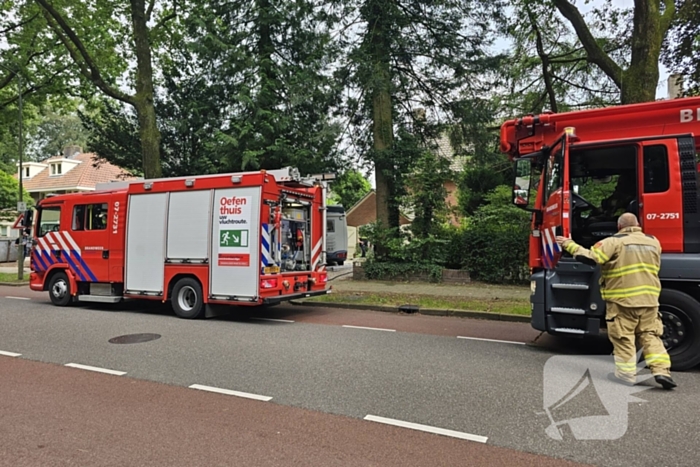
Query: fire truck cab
[[236, 239], [577, 172]]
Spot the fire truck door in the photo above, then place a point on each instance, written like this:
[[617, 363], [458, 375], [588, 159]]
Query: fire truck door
[[235, 244], [555, 202], [89, 257], [660, 202]]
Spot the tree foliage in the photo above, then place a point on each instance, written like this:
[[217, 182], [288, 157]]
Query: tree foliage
[[404, 56], [9, 192], [53, 132], [104, 41], [682, 47], [637, 74], [349, 188], [263, 66], [427, 194], [548, 69]]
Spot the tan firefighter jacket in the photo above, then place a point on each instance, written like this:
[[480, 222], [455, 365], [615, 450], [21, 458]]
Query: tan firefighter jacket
[[630, 263]]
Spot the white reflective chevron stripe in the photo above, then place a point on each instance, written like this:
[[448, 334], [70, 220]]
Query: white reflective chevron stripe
[[71, 241], [266, 245], [64, 247], [50, 237], [316, 254], [549, 241], [44, 244]]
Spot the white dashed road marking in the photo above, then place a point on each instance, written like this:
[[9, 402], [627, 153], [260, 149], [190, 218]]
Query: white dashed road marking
[[427, 428], [9, 354], [371, 329], [490, 340], [275, 320], [229, 392], [18, 298], [96, 368]]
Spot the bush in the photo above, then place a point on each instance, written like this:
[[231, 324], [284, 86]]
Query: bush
[[492, 245], [496, 242]]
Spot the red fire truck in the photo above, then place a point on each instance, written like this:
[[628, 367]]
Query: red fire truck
[[577, 172], [236, 239]]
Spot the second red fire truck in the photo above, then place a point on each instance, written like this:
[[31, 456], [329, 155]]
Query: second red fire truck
[[577, 172], [235, 239]]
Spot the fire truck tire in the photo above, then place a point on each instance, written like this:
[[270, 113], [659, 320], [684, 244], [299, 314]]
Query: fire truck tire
[[59, 289], [187, 299], [680, 314]]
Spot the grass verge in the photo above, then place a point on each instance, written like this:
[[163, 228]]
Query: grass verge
[[12, 277], [514, 307]]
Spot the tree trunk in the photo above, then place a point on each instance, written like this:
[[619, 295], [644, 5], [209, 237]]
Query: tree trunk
[[638, 82], [640, 79], [145, 110], [382, 127]]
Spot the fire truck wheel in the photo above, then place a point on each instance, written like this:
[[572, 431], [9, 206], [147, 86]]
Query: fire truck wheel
[[680, 314], [59, 289], [187, 299]]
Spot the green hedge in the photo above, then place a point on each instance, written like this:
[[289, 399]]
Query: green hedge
[[492, 245]]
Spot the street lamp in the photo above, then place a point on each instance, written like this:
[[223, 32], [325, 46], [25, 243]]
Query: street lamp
[[20, 247]]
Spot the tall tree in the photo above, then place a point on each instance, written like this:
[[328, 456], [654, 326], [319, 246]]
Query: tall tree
[[409, 55], [103, 41], [264, 65], [651, 20], [32, 65], [682, 48], [547, 69]]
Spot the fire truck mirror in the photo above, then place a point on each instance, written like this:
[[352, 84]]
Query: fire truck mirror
[[521, 183], [28, 218]]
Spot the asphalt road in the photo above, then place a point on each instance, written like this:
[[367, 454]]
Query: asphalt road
[[414, 369]]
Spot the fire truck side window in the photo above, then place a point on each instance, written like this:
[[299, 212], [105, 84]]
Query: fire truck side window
[[90, 217], [49, 220], [554, 169], [655, 169]]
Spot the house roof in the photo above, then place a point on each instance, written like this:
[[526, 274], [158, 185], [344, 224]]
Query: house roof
[[365, 212], [87, 174], [444, 149]]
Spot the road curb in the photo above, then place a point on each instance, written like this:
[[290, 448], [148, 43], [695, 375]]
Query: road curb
[[14, 284], [421, 311]]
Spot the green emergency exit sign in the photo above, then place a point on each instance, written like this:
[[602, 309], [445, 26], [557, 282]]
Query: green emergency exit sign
[[233, 238]]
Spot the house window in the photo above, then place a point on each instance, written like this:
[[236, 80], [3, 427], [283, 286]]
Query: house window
[[90, 217], [55, 169], [26, 172]]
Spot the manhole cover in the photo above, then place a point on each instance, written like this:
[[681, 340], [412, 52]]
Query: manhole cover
[[134, 338]]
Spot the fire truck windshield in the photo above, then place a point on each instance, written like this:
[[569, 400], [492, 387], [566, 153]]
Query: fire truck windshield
[[48, 220]]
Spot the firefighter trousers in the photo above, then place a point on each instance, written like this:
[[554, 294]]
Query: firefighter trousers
[[625, 326]]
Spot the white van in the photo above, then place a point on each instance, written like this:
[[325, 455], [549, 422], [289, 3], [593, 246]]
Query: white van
[[336, 235]]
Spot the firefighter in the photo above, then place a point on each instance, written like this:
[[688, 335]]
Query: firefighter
[[630, 286]]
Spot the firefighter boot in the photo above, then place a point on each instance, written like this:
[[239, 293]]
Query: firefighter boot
[[650, 329], [665, 381]]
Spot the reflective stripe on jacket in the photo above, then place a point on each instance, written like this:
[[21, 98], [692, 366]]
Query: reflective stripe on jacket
[[630, 263]]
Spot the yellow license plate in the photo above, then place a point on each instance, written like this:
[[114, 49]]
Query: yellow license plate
[[271, 270]]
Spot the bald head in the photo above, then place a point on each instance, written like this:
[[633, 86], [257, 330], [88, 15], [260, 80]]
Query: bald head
[[627, 220]]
